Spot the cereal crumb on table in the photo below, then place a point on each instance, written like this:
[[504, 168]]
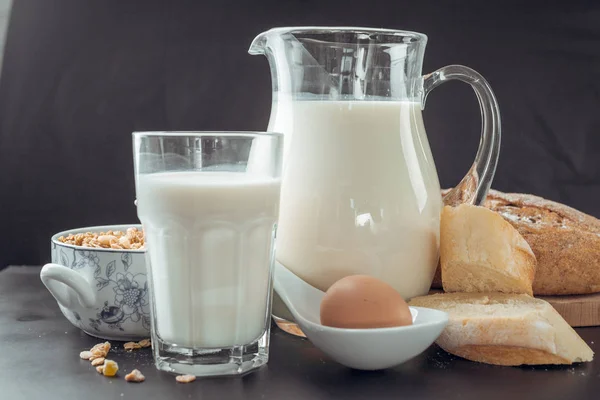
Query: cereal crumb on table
[[145, 343], [110, 368], [100, 350], [98, 361], [85, 355], [135, 376], [130, 346], [185, 378]]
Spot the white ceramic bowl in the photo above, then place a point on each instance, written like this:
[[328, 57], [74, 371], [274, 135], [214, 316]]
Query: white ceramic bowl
[[103, 292], [366, 349]]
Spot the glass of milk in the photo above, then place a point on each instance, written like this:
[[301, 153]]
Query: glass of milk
[[209, 204]]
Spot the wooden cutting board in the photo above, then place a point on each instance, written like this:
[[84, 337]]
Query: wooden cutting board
[[578, 310]]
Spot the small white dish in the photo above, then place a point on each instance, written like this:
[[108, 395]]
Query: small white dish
[[365, 349]]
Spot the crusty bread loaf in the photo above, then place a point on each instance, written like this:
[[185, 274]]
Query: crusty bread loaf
[[505, 329], [566, 242], [481, 252]]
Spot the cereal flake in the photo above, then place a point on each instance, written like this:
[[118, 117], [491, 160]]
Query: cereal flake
[[185, 378], [135, 376]]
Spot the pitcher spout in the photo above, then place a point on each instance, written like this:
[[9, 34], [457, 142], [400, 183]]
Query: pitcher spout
[[264, 40], [258, 45]]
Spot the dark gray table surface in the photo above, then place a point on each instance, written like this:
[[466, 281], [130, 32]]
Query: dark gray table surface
[[39, 359]]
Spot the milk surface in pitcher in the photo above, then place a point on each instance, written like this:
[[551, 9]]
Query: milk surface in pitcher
[[360, 193]]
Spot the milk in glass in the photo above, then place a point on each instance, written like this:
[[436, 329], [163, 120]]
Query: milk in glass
[[209, 237]]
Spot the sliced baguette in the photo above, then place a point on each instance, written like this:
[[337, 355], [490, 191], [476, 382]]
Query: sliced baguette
[[505, 329], [565, 241], [481, 252]]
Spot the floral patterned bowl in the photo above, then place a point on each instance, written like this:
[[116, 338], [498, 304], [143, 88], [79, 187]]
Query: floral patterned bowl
[[102, 291]]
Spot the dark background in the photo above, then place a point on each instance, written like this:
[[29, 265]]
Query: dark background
[[80, 76]]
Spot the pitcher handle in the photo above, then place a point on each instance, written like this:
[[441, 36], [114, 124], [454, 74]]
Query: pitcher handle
[[59, 280], [473, 188]]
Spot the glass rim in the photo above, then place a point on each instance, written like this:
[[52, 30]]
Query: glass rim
[[246, 134], [417, 36]]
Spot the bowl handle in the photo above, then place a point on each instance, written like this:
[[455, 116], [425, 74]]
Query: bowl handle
[[59, 279]]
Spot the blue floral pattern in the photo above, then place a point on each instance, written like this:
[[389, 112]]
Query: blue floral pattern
[[87, 259], [130, 291], [131, 300], [130, 296]]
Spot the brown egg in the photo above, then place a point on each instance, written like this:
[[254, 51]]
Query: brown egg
[[361, 301]]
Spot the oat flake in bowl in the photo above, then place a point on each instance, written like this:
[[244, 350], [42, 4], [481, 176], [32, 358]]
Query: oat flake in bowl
[[131, 239]]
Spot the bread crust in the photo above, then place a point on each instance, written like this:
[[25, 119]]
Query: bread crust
[[506, 355], [565, 241]]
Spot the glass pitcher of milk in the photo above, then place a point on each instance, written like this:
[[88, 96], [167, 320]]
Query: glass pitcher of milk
[[360, 192]]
